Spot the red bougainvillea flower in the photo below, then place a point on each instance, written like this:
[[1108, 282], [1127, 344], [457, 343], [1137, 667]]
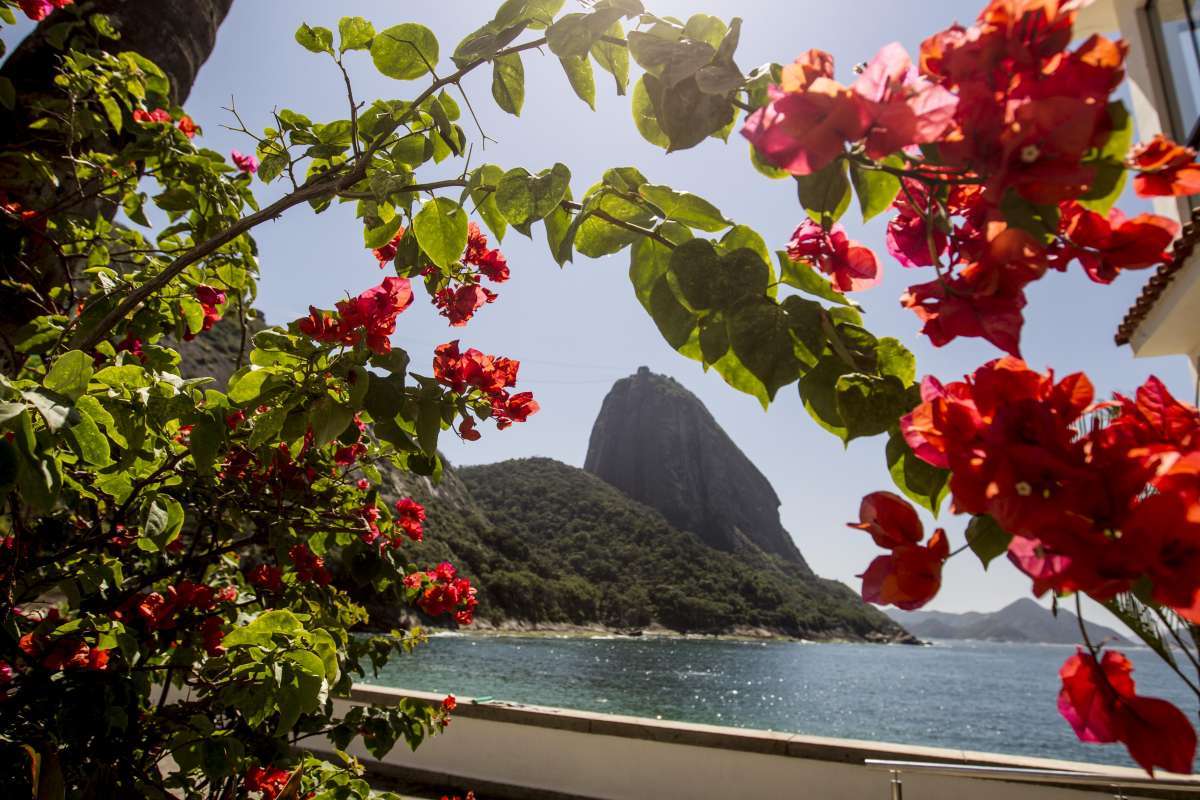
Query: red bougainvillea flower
[[910, 576], [209, 299], [467, 431], [310, 567], [266, 577], [987, 295], [245, 163], [1164, 169], [157, 116], [211, 635], [459, 305], [1090, 508], [450, 703], [187, 126], [491, 375], [387, 253], [268, 781], [1106, 246], [38, 10], [904, 108], [477, 244], [851, 266], [442, 591], [376, 310], [805, 130], [1099, 700], [890, 519], [409, 516]]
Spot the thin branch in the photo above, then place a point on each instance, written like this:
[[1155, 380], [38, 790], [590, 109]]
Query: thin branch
[[326, 185]]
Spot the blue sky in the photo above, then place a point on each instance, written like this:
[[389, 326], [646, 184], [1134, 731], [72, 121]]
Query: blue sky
[[578, 329]]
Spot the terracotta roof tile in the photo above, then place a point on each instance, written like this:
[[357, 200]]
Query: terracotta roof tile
[[1161, 279]]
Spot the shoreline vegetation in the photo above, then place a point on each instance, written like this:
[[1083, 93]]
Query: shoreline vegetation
[[485, 629]]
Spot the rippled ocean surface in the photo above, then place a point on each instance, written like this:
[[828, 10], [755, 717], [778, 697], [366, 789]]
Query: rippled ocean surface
[[967, 695]]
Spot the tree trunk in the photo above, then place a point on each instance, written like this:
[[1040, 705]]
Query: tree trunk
[[177, 35]]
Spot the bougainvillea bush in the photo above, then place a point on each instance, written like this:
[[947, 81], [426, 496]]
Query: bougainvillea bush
[[184, 562]]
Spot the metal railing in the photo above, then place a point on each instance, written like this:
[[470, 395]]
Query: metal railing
[[1118, 786]]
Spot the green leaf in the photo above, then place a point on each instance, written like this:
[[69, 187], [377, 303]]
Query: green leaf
[[92, 444], [870, 405], [818, 390], [650, 260], [268, 425], [250, 386], [560, 234], [508, 83], [876, 189], [825, 194], [613, 58], [489, 175], [685, 114], [691, 210], [599, 237], [382, 233], [113, 112], [1109, 162], [645, 117], [355, 33], [260, 632], [405, 52], [441, 230], [524, 198], [894, 359], [800, 275], [674, 321], [708, 279], [1039, 220], [987, 539], [328, 419], [917, 480], [8, 94], [705, 28], [69, 375], [429, 423], [583, 81], [1138, 618], [317, 40], [760, 336], [55, 409]]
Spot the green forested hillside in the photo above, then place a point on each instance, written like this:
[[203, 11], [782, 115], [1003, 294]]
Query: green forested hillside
[[550, 543]]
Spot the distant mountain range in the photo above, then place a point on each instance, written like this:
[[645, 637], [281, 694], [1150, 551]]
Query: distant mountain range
[[1021, 621]]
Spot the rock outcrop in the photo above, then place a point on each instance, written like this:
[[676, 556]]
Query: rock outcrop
[[655, 441]]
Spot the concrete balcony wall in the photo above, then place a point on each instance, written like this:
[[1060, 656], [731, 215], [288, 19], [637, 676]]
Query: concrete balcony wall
[[509, 751]]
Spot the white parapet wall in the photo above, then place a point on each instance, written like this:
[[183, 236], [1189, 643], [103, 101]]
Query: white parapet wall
[[515, 751]]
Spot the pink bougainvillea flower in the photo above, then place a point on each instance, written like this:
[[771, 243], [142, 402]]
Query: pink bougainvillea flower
[[1165, 169], [904, 108], [803, 131], [800, 74], [38, 10], [851, 266], [245, 163]]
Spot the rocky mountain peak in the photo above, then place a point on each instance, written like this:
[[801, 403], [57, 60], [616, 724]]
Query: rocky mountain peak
[[656, 442]]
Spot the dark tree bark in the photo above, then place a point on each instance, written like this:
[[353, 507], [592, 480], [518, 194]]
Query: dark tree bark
[[178, 35]]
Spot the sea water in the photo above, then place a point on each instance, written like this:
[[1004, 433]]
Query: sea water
[[984, 696]]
